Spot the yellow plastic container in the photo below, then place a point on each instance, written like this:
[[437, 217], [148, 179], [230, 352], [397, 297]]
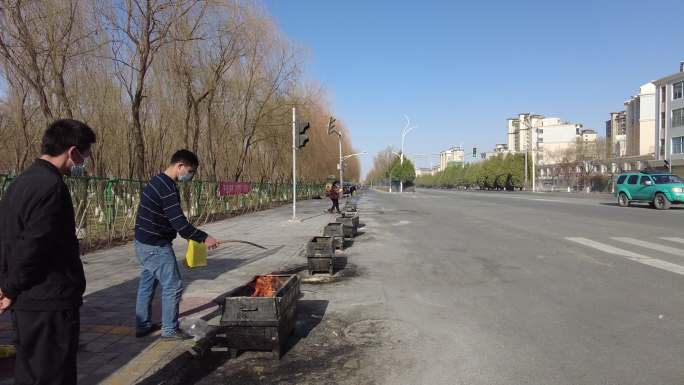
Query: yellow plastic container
[[7, 351], [196, 255]]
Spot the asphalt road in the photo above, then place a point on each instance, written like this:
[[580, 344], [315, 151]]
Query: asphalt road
[[454, 287]]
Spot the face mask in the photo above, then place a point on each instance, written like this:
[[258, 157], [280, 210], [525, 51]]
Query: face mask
[[78, 169], [186, 177]]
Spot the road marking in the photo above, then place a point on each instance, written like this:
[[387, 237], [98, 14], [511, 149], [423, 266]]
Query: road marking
[[673, 239], [651, 245], [545, 200], [568, 200], [671, 267]]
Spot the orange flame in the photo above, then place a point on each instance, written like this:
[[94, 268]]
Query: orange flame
[[266, 286]]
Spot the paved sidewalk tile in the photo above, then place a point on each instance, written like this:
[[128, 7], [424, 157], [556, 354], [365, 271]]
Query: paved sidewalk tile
[[108, 348]]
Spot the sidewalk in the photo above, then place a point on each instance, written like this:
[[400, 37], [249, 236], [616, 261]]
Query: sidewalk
[[109, 351]]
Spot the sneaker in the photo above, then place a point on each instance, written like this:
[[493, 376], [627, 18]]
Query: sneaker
[[146, 332], [178, 335]]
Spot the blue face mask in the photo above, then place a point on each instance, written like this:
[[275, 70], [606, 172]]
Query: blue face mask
[[186, 177], [78, 169]]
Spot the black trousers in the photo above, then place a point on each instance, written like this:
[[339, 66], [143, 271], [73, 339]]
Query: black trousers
[[335, 205], [46, 342]]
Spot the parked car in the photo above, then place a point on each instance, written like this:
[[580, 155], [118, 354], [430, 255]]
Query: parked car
[[658, 189]]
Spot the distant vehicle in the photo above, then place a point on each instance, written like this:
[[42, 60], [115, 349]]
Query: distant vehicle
[[657, 189]]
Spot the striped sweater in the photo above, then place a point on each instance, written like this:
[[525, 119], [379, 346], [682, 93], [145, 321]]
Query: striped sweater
[[160, 215]]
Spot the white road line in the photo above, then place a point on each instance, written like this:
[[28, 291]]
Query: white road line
[[545, 200], [671, 267], [651, 245], [673, 239]]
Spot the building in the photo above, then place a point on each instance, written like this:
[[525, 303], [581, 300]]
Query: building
[[556, 139], [588, 136], [454, 155], [669, 103], [422, 171], [640, 122], [616, 135], [499, 149], [551, 139], [520, 131]]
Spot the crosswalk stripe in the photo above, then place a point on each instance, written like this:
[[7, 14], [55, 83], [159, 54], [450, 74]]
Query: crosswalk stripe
[[673, 239], [660, 264], [651, 245]]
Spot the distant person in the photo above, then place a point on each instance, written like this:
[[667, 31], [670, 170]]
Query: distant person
[[159, 219], [41, 274], [334, 195]]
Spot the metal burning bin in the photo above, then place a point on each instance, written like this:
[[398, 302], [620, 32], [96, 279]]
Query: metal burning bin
[[350, 225], [335, 230], [259, 323], [320, 255], [353, 215], [351, 207]]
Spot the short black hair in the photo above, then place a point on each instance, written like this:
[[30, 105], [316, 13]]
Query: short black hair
[[65, 133], [186, 157]]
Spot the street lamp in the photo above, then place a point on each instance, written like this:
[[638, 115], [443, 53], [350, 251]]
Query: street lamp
[[390, 167], [332, 130], [531, 141], [356, 154], [342, 159], [404, 131]]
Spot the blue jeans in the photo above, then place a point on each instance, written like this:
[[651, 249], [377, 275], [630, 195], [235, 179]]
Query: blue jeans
[[158, 265]]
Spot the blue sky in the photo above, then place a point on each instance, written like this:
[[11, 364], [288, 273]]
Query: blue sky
[[459, 69]]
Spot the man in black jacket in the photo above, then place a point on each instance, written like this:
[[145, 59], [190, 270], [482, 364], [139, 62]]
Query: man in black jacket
[[41, 274]]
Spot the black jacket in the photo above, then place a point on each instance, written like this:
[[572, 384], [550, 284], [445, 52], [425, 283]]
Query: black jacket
[[40, 266]]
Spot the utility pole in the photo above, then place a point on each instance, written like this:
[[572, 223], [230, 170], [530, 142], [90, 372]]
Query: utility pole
[[529, 143], [332, 130], [390, 169], [294, 163], [299, 140], [527, 127], [534, 174], [339, 137]]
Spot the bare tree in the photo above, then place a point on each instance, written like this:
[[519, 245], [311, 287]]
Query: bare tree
[[150, 76], [136, 39], [38, 41]]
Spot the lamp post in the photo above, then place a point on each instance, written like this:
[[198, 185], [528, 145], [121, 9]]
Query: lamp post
[[390, 168], [342, 159], [332, 130], [530, 136], [407, 128]]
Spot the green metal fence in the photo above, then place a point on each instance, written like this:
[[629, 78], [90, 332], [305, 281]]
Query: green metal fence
[[105, 208]]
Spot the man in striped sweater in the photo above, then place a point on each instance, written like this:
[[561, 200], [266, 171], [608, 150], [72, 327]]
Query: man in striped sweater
[[159, 219]]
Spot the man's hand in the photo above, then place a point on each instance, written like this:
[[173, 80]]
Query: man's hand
[[211, 242], [5, 302]]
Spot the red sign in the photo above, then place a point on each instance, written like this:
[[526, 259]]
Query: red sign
[[234, 188]]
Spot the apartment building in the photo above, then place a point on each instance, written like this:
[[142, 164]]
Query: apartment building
[[452, 155], [669, 138], [640, 122], [520, 131], [616, 135]]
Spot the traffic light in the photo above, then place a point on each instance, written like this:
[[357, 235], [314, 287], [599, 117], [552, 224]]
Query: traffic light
[[301, 139], [331, 125], [474, 152]]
